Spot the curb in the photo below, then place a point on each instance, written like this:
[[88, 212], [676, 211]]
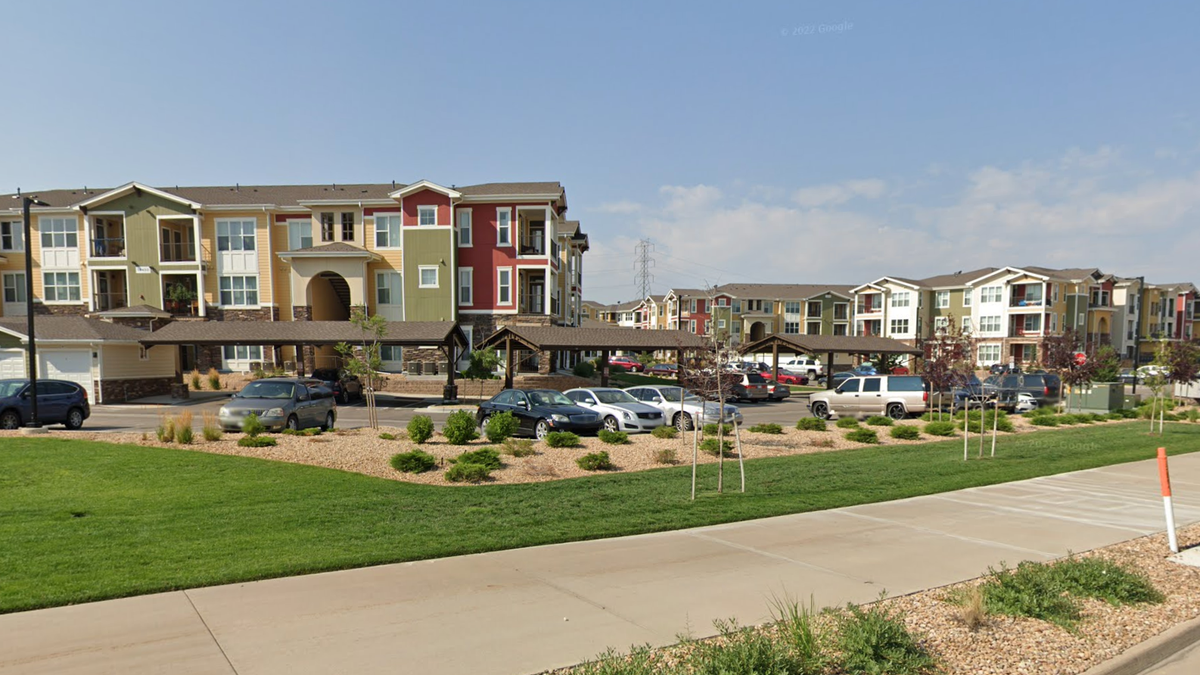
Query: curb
[[1142, 657]]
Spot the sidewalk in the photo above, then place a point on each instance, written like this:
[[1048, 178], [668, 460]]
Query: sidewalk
[[527, 610]]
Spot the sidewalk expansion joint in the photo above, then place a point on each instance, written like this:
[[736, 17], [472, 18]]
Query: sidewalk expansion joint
[[210, 633], [777, 556], [584, 599], [1046, 514], [943, 533]]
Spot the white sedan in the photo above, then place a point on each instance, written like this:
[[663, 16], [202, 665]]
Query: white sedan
[[619, 410], [683, 408]]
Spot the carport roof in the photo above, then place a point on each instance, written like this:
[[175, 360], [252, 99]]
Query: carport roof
[[838, 344], [71, 329], [594, 339], [403, 333]]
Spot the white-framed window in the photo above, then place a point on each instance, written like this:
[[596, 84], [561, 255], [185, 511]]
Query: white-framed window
[[60, 286], [239, 357], [14, 288], [428, 276], [59, 232], [300, 234], [812, 328], [12, 236], [143, 353], [990, 294], [720, 323], [388, 288], [465, 238], [966, 324], [898, 326], [989, 324], [1054, 324], [692, 307], [967, 297], [387, 230], [900, 299], [941, 323], [391, 354], [504, 227], [989, 354], [1080, 322], [791, 327], [466, 282], [239, 291], [736, 328], [426, 216], [941, 299], [1053, 292], [791, 308], [235, 235], [504, 286]]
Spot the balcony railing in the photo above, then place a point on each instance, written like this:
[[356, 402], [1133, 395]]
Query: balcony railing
[[182, 307], [107, 301], [868, 308], [180, 252], [108, 247], [1026, 302], [532, 303]]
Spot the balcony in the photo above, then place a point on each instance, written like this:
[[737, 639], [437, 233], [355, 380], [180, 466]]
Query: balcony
[[177, 251], [108, 247], [109, 301], [1026, 301], [532, 303]]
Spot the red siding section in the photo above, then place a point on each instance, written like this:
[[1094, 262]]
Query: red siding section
[[484, 257], [424, 198]]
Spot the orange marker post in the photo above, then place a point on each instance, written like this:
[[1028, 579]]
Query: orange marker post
[[1164, 477]]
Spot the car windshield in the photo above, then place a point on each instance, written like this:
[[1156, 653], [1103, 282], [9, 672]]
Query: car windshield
[[614, 396], [262, 389], [672, 394], [11, 388], [549, 398]]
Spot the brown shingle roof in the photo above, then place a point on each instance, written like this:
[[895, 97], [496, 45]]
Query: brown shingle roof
[[335, 247], [409, 333], [564, 337], [782, 291], [839, 344], [955, 279], [75, 328], [136, 311], [511, 189]]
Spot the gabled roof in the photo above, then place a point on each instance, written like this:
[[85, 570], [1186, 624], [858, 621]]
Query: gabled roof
[[136, 311], [406, 333], [134, 186], [821, 344], [71, 329], [336, 249], [956, 279], [783, 291], [883, 280], [1069, 274], [592, 339], [425, 185]]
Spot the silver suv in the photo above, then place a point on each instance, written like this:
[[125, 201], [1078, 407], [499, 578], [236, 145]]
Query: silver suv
[[893, 395]]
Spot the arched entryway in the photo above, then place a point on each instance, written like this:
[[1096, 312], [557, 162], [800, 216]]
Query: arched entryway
[[758, 331], [329, 297], [1102, 334]]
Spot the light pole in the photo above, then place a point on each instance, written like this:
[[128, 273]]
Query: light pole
[[31, 345]]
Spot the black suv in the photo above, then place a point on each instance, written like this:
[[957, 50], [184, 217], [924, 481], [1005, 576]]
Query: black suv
[[1043, 387], [344, 385], [59, 402]]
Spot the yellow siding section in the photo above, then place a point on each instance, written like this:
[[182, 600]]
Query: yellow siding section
[[282, 270], [263, 243], [35, 247], [121, 362]]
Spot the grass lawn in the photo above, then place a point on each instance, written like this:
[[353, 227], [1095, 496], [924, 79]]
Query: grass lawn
[[85, 521]]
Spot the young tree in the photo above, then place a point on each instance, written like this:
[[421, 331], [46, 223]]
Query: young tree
[[483, 363], [362, 359], [1058, 354], [947, 361]]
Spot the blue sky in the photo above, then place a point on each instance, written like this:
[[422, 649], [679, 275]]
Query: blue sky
[[813, 142]]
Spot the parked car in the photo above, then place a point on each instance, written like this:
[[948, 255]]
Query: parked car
[[683, 408], [1129, 376], [343, 385], [1043, 387], [539, 412], [1025, 403], [839, 378], [59, 402], [617, 409], [1002, 368], [664, 370], [789, 377], [777, 391], [896, 396], [1145, 372], [973, 394], [752, 386], [755, 366], [280, 403], [627, 362], [804, 364]]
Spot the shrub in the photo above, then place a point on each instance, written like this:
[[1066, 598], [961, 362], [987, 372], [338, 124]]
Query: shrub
[[1105, 580], [767, 429], [165, 430], [465, 472], [905, 433], [880, 421], [811, 424], [561, 439], [484, 457], [387, 437], [1044, 420], [416, 461], [252, 427], [214, 379], [940, 428], [1002, 423], [311, 431], [665, 456], [823, 443], [212, 428], [1029, 591], [501, 426], [256, 441], [862, 435], [710, 446], [1039, 412], [1070, 418], [613, 437], [665, 431], [595, 461], [876, 640], [712, 430], [460, 428], [741, 650], [183, 428], [614, 369], [420, 429], [197, 380], [1192, 414], [846, 423], [928, 417], [584, 369], [517, 447], [1114, 415]]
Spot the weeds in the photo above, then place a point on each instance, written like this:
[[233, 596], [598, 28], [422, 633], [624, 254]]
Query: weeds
[[665, 431], [183, 428], [766, 429], [214, 379], [211, 430], [875, 640], [666, 455], [518, 447]]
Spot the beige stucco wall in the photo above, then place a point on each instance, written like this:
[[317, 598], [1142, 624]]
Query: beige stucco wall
[[121, 362]]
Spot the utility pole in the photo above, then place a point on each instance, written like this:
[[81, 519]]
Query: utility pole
[[1137, 331], [642, 264]]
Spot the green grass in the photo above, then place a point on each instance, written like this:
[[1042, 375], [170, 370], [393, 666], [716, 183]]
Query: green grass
[[85, 521]]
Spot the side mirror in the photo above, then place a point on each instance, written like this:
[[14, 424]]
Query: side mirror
[[301, 397], [524, 404], [656, 399]]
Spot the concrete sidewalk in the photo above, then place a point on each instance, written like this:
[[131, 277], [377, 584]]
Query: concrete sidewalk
[[527, 610]]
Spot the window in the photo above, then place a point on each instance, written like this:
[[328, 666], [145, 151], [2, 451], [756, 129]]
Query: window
[[348, 226], [966, 324], [791, 327], [60, 286], [388, 288], [239, 291], [429, 276], [1054, 325], [503, 227], [143, 353], [720, 323], [967, 297], [326, 227], [245, 353], [813, 309], [299, 234], [12, 236], [1054, 292], [1032, 323], [1079, 323], [235, 235], [464, 231], [737, 328], [989, 354], [791, 308], [504, 286], [870, 384], [391, 353], [898, 326], [737, 306], [426, 216], [841, 311], [941, 299], [941, 323], [812, 328], [990, 294], [466, 279], [59, 232], [989, 324], [900, 299], [840, 328], [14, 288], [387, 231], [722, 302]]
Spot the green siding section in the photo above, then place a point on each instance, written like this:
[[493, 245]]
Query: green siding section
[[955, 309], [1073, 305], [9, 341], [428, 247], [141, 243]]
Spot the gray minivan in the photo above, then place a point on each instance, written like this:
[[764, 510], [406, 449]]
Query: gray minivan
[[896, 396]]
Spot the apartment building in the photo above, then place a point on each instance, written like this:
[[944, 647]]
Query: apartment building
[[484, 255]]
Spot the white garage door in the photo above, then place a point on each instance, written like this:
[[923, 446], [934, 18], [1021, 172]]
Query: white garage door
[[12, 363], [73, 365]]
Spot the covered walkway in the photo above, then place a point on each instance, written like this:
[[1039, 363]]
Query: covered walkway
[[828, 345]]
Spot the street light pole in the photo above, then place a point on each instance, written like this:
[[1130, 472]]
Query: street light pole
[[31, 345]]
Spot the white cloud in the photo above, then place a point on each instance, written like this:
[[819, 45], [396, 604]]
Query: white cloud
[[833, 194]]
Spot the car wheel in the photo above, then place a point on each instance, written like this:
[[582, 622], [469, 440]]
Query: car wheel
[[541, 430], [10, 420], [683, 422], [896, 411], [611, 423], [293, 423], [74, 419], [820, 411], [483, 423], [342, 398], [329, 420]]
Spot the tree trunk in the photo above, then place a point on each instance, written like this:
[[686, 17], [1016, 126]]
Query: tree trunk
[[737, 435]]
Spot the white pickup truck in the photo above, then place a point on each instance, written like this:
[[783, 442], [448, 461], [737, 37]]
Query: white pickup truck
[[803, 365]]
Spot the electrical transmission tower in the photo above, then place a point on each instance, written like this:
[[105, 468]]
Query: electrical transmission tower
[[642, 264]]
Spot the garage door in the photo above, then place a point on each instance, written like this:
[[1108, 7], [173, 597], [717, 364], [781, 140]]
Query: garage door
[[12, 363], [73, 365]]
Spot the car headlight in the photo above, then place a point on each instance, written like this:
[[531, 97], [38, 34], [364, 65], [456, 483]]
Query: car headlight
[[627, 415], [274, 412], [223, 412], [560, 418]]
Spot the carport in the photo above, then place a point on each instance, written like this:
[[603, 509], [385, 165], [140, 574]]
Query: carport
[[603, 340], [443, 335], [816, 345]]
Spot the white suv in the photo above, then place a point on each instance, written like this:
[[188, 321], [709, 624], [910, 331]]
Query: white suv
[[683, 408], [803, 365]]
